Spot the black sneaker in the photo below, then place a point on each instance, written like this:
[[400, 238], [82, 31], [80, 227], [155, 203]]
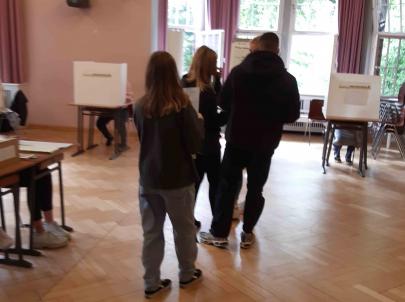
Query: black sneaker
[[338, 160], [247, 240], [109, 141], [164, 285], [349, 162], [197, 224], [196, 276]]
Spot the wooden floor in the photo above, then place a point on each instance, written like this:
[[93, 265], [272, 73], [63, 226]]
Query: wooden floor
[[333, 237]]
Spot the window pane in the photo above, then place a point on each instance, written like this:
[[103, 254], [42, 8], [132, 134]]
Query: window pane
[[185, 14], [310, 62], [390, 65], [316, 15], [259, 15], [391, 15]]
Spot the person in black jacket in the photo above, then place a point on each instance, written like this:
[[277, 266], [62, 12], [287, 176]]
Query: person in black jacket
[[204, 75], [260, 96], [169, 132]]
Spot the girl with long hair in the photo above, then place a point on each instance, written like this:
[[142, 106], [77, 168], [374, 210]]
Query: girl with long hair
[[169, 132], [204, 75]]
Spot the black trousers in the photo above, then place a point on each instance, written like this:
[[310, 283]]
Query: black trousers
[[235, 160], [43, 192], [209, 164], [102, 122]]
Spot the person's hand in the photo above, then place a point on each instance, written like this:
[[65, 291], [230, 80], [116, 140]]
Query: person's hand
[[219, 72], [199, 115]]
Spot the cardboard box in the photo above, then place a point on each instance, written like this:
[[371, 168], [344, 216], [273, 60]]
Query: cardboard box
[[8, 151]]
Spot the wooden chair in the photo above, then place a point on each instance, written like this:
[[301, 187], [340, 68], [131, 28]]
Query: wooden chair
[[315, 114]]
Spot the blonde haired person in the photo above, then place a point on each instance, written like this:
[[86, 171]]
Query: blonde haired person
[[169, 132], [204, 75]]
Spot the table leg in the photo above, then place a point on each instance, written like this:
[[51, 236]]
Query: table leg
[[325, 145], [116, 150], [90, 141], [80, 139], [62, 199]]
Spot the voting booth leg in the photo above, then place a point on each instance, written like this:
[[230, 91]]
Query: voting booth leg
[[62, 200], [80, 140], [325, 145], [116, 150], [90, 139], [330, 144]]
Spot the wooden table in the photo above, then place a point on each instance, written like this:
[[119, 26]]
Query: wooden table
[[92, 111], [10, 179]]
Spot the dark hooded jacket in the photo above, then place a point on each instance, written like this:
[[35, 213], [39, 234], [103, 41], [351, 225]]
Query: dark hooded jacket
[[260, 96]]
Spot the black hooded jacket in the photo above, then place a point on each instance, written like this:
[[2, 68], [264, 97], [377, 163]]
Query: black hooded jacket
[[260, 96]]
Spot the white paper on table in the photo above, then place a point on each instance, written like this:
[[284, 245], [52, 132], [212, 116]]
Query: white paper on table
[[45, 147], [194, 95]]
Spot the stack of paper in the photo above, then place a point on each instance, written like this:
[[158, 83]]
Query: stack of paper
[[46, 147]]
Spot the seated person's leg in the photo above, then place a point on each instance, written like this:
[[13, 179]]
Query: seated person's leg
[[46, 234], [336, 152], [349, 153], [101, 123], [122, 129]]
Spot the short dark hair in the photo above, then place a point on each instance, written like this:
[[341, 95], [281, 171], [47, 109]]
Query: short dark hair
[[269, 42]]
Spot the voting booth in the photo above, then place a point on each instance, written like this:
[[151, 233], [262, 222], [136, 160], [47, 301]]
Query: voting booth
[[99, 84], [353, 97]]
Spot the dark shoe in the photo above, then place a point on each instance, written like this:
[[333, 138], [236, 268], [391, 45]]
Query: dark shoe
[[164, 285], [247, 240], [338, 160], [349, 162], [208, 238], [197, 224], [109, 141], [123, 148], [196, 276]]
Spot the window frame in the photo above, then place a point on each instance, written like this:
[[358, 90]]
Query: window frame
[[376, 36]]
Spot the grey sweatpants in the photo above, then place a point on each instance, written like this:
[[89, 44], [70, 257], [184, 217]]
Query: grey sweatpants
[[179, 205]]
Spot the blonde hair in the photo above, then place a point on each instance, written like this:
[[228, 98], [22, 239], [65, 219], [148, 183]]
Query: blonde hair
[[163, 92], [203, 67]]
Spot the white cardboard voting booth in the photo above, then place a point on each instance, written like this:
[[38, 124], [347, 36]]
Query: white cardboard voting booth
[[353, 97], [99, 84]]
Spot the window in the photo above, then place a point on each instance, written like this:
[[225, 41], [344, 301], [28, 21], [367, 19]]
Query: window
[[307, 36], [188, 17], [259, 15], [390, 51], [312, 42]]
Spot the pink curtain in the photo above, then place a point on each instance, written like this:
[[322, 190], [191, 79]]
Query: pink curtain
[[10, 41], [223, 14], [162, 24], [351, 17]]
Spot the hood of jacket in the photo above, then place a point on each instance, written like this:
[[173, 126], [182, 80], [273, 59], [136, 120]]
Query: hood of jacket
[[263, 64]]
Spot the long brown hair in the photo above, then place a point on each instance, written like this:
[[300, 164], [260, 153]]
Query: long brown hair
[[163, 93], [203, 67]]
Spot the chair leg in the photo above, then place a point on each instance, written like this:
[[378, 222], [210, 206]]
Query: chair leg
[[309, 133]]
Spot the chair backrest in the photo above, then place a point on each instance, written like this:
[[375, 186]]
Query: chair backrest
[[315, 110]]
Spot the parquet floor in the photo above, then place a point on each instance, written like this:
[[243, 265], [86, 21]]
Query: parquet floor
[[333, 237]]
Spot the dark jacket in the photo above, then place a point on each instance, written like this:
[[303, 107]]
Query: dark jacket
[[166, 146], [213, 120], [260, 96]]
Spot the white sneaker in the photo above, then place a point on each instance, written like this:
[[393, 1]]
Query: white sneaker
[[56, 229], [5, 240], [48, 240]]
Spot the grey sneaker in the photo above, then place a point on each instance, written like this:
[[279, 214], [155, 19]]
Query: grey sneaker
[[208, 238], [246, 240], [56, 229], [5, 240], [48, 240]]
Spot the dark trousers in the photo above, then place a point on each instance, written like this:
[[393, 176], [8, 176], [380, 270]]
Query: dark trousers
[[235, 160], [210, 164], [43, 192], [102, 122]]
